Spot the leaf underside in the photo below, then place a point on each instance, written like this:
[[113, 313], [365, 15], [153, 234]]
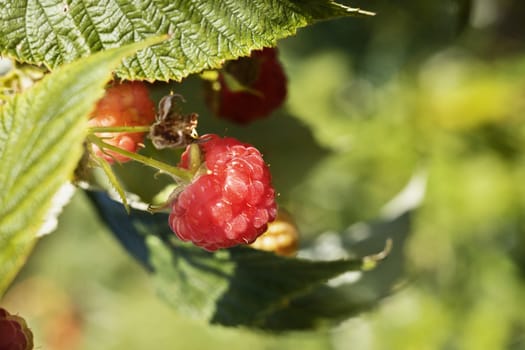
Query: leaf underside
[[203, 33]]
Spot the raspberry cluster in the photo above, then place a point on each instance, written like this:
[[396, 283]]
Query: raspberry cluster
[[224, 195], [230, 203]]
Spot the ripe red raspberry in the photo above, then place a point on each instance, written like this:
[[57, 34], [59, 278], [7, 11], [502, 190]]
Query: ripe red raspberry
[[124, 104], [14, 333], [263, 83], [231, 203]]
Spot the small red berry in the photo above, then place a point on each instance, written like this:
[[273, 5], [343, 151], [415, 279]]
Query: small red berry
[[14, 333], [261, 87], [124, 104], [231, 203]]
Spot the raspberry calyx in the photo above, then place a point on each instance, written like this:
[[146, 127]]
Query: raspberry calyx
[[231, 202]]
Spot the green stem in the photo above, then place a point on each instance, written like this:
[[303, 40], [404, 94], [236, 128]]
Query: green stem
[[96, 129], [165, 168], [195, 158]]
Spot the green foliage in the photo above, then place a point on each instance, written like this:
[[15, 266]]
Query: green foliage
[[41, 136], [203, 34], [370, 103], [234, 287], [239, 287]]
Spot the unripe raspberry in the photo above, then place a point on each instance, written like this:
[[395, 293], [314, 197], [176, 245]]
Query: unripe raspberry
[[124, 104], [248, 88], [14, 333], [281, 237], [231, 203]]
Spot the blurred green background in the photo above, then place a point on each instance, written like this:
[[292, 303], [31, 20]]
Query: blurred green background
[[431, 89]]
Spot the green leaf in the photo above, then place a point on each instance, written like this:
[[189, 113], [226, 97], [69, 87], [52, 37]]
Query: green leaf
[[354, 292], [240, 286], [234, 287], [41, 136], [202, 33]]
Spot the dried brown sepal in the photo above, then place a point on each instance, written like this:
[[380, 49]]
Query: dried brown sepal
[[172, 129]]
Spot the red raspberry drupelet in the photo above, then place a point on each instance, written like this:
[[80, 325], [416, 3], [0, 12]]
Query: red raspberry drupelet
[[232, 203]]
